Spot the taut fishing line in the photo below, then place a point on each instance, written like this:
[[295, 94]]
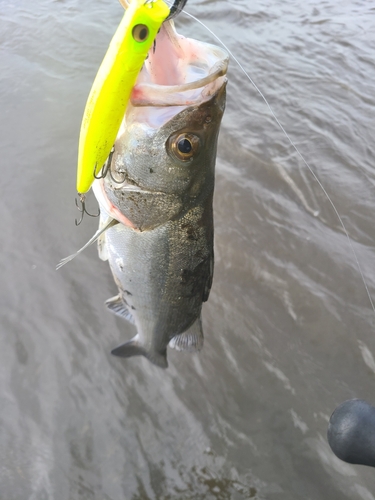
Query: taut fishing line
[[295, 148]]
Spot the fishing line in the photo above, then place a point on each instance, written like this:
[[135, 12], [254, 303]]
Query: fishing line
[[295, 148]]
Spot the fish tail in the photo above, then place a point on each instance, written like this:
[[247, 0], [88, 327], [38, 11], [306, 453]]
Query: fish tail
[[134, 348]]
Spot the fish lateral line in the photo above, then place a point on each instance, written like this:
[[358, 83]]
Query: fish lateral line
[[291, 142]]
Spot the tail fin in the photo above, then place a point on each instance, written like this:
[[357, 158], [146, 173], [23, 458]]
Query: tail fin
[[134, 348]]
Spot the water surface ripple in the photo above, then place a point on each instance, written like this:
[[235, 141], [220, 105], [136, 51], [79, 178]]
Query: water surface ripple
[[289, 329]]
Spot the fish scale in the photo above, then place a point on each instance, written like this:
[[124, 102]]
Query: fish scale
[[161, 282]]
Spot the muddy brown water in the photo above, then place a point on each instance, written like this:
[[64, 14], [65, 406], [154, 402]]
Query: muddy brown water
[[289, 330]]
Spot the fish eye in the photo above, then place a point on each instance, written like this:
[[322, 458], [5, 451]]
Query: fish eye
[[140, 32], [184, 146]]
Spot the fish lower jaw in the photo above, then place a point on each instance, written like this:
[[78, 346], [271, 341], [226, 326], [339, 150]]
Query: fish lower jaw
[[106, 205]]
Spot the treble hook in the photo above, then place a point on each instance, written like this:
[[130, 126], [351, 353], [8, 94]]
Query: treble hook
[[82, 208], [106, 166], [115, 180]]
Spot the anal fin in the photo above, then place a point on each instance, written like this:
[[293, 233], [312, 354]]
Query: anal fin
[[191, 340], [117, 306]]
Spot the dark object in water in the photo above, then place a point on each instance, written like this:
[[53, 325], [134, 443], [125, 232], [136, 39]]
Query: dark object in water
[[351, 432]]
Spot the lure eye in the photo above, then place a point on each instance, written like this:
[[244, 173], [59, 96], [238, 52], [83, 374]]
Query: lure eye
[[140, 32], [184, 146]]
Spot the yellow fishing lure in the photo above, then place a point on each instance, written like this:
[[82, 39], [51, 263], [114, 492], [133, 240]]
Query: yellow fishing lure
[[113, 84]]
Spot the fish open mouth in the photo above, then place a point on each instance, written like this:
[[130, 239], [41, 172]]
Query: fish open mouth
[[179, 71]]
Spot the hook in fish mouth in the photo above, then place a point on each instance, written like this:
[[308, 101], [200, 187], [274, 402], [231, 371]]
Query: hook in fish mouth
[[176, 8]]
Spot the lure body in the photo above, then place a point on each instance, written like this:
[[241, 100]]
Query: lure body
[[113, 84]]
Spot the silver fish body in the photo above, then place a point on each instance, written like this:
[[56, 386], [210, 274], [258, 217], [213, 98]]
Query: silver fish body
[[159, 187]]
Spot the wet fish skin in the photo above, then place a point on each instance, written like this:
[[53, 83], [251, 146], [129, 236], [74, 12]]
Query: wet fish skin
[[163, 276], [163, 262], [168, 186]]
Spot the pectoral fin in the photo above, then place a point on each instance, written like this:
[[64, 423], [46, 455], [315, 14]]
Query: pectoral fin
[[135, 348], [99, 232], [117, 306], [191, 340]]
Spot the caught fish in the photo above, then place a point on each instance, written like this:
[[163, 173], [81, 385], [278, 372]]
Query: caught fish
[[159, 187], [156, 189]]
